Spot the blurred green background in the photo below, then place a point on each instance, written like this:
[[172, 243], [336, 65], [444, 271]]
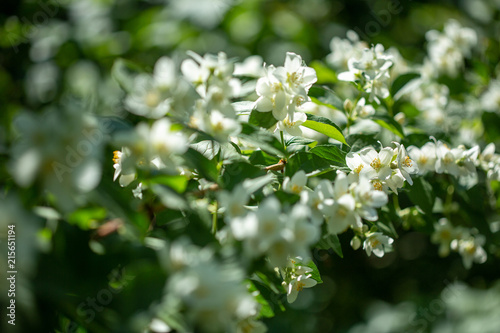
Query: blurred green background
[[57, 51]]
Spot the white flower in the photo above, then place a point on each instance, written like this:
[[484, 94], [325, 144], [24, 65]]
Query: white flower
[[291, 124], [198, 71], [377, 163], [155, 145], [315, 199], [340, 214], [216, 124], [377, 243], [373, 64], [127, 174], [296, 184], [425, 157], [165, 73], [233, 202], [147, 99], [214, 295], [272, 95], [61, 149], [378, 88], [490, 100], [344, 49], [405, 163], [305, 233], [164, 141], [447, 50], [355, 163], [271, 226], [251, 66], [443, 234], [294, 76], [367, 199], [447, 159], [137, 192], [297, 285], [471, 250], [363, 110], [251, 325]]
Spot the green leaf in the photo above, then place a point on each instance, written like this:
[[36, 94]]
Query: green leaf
[[124, 72], [331, 242], [265, 140], [322, 95], [169, 198], [315, 275], [402, 81], [306, 161], [390, 124], [266, 311], [262, 119], [330, 152], [422, 194], [237, 172], [176, 182], [297, 140], [360, 141], [86, 218], [324, 126], [253, 185], [205, 167], [324, 73]]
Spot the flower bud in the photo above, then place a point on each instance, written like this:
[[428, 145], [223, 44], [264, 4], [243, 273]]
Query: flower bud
[[348, 105], [355, 242]]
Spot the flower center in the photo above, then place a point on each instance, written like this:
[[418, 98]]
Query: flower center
[[294, 78], [296, 188], [470, 248], [376, 164], [299, 286], [374, 242], [152, 99], [377, 185], [407, 162]]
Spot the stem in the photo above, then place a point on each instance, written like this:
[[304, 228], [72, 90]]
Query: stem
[[283, 141], [395, 201], [214, 218]]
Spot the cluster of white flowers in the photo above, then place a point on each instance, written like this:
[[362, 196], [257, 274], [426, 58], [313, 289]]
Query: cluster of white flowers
[[154, 96], [448, 49], [212, 293], [387, 169], [370, 71], [62, 150], [490, 162], [283, 91], [296, 276], [490, 99], [460, 162], [345, 49], [213, 79], [343, 205], [276, 234], [431, 99], [154, 147], [467, 242]]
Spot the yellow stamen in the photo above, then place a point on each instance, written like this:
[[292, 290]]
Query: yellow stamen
[[299, 286], [376, 164], [358, 169], [116, 156], [407, 162]]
